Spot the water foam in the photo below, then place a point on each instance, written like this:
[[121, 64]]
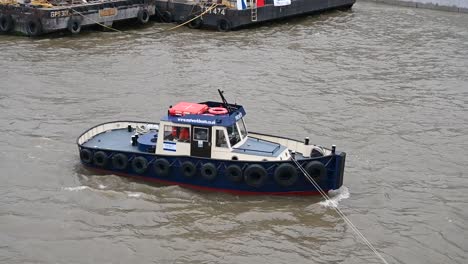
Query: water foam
[[77, 188], [134, 194], [335, 197]]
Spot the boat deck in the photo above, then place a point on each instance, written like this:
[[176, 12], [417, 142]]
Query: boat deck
[[116, 140]]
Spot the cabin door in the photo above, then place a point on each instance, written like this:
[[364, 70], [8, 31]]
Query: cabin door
[[201, 142]]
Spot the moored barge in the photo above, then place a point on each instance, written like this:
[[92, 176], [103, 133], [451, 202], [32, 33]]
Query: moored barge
[[37, 17], [226, 15]]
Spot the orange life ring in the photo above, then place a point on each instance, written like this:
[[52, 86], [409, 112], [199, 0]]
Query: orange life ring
[[218, 111]]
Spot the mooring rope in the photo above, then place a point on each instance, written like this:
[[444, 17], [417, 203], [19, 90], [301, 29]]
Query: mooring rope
[[96, 22], [188, 21], [338, 211], [172, 28]]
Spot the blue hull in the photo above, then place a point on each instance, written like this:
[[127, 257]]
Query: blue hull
[[218, 180]]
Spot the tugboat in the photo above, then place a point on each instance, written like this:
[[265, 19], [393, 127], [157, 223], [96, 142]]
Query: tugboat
[[206, 146]]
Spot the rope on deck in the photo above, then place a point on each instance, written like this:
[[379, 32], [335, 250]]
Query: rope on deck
[[338, 211]]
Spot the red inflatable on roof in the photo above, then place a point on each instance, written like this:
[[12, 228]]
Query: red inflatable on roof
[[185, 108]]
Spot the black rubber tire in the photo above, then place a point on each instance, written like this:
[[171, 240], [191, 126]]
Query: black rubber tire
[[188, 169], [120, 161], [316, 170], [74, 25], [139, 165], [234, 173], [33, 27], [196, 23], [286, 175], [100, 159], [143, 16], [223, 25], [86, 156], [255, 176], [6, 23], [167, 17], [208, 171], [162, 167]]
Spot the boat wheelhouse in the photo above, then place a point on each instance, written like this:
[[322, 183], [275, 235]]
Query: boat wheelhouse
[[207, 146]]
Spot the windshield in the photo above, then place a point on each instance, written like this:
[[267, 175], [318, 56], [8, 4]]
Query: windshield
[[233, 134], [242, 128]]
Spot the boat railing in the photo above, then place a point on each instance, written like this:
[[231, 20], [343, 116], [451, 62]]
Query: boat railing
[[101, 128]]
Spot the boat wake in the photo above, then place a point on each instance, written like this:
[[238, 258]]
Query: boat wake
[[335, 197], [77, 188]]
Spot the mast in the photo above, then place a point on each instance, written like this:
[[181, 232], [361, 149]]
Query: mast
[[225, 103]]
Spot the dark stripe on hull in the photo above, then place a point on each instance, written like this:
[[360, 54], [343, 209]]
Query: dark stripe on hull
[[204, 188]]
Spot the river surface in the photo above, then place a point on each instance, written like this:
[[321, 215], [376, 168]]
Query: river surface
[[386, 84]]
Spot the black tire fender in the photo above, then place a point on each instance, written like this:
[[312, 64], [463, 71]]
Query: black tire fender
[[208, 171], [86, 156], [234, 173], [195, 23], [167, 17], [143, 16], [188, 169], [255, 176], [119, 161], [139, 164], [316, 170], [33, 27], [162, 167], [100, 159], [223, 25], [285, 175], [74, 24], [6, 23]]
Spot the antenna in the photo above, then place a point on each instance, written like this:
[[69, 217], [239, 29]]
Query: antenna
[[225, 103]]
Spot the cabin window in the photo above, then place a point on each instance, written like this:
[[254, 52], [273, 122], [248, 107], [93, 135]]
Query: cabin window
[[242, 128], [200, 134], [233, 134], [221, 139], [176, 133]]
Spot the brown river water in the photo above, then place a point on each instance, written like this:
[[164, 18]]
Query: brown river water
[[386, 84]]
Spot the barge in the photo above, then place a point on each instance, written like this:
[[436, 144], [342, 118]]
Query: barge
[[37, 17], [206, 146], [226, 15]]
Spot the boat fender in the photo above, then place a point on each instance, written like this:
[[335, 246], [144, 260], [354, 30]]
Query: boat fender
[[285, 175], [209, 171], [255, 176], [143, 16], [86, 155], [6, 23], [218, 111], [139, 165], [100, 159], [120, 161], [74, 24], [167, 17], [195, 23], [33, 27], [316, 170], [162, 167], [234, 173], [188, 169], [223, 25]]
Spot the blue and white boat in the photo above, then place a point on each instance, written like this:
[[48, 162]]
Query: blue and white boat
[[206, 146]]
